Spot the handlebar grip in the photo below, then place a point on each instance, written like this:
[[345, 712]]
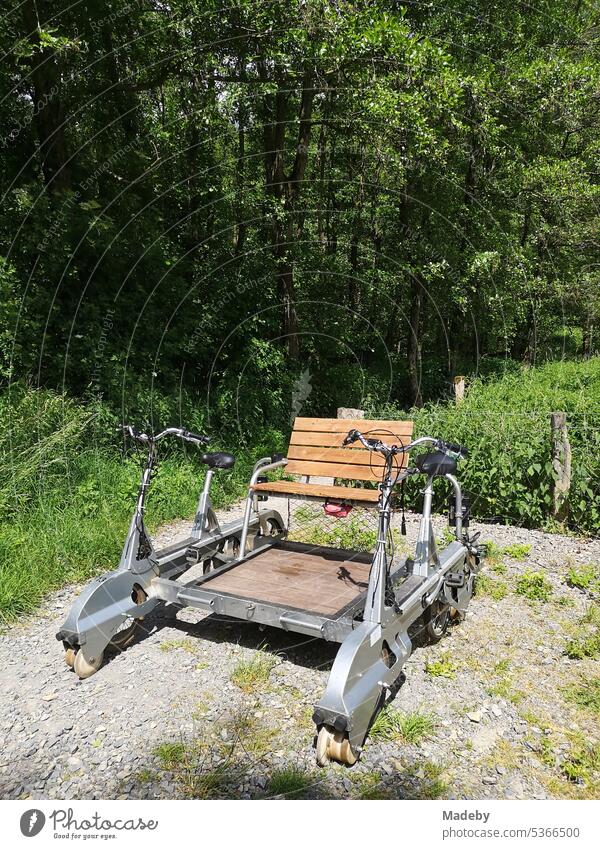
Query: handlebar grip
[[457, 449], [195, 437], [351, 437], [134, 433]]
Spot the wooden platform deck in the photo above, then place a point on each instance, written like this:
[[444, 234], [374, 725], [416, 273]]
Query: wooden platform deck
[[312, 578]]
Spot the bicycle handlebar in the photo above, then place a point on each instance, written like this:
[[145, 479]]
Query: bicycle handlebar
[[391, 450], [182, 433]]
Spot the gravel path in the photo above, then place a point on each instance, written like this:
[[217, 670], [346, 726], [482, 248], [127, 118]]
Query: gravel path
[[165, 719]]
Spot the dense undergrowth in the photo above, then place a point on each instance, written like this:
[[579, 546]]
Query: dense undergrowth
[[67, 486], [505, 423]]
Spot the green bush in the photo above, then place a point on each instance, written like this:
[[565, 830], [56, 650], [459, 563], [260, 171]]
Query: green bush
[[505, 423]]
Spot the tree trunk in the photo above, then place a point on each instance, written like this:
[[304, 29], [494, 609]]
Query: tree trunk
[[413, 351], [239, 230], [286, 189], [49, 114]]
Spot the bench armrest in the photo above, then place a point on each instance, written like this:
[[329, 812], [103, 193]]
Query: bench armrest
[[265, 465]]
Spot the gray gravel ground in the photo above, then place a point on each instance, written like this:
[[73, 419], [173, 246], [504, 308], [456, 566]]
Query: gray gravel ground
[[165, 720]]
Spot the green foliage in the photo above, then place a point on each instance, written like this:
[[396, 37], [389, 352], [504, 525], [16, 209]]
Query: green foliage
[[289, 782], [65, 502], [586, 695], [518, 551], [585, 577], [534, 586], [582, 765], [253, 675], [391, 724], [170, 754], [443, 667], [506, 425], [585, 640], [497, 590]]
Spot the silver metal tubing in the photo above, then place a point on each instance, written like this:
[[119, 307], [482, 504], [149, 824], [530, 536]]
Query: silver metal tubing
[[424, 548], [202, 508], [458, 498], [263, 465]]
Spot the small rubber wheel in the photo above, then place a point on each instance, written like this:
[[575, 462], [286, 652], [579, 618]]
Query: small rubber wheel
[[334, 745], [437, 620], [70, 657], [85, 669]]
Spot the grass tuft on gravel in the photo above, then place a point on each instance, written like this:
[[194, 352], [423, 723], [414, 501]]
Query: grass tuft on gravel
[[391, 724], [585, 577], [444, 667], [534, 586], [251, 675], [497, 590], [289, 781], [517, 551], [585, 639], [586, 695], [170, 754]]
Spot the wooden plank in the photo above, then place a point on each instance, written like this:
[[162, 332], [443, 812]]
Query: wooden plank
[[317, 490], [345, 471], [344, 456], [334, 440], [344, 425], [305, 580]]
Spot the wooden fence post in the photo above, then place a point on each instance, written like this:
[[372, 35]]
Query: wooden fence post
[[459, 388], [561, 464]]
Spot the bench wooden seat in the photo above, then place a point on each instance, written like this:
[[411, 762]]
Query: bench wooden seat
[[318, 490], [315, 451]]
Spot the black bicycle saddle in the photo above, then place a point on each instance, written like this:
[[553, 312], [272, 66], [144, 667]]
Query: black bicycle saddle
[[436, 463], [218, 460]]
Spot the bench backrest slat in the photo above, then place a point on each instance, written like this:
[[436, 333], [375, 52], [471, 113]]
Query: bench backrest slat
[[315, 447]]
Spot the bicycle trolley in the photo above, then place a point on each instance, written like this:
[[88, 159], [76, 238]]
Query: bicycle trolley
[[375, 605]]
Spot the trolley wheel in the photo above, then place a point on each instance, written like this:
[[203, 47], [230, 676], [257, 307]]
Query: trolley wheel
[[70, 657], [83, 669], [334, 745], [437, 621], [126, 634], [230, 547]]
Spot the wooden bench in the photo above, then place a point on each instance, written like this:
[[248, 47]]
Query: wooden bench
[[315, 451]]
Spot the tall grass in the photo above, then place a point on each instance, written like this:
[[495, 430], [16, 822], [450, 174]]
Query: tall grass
[[65, 502]]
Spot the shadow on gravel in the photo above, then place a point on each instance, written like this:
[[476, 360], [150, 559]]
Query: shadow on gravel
[[305, 651]]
